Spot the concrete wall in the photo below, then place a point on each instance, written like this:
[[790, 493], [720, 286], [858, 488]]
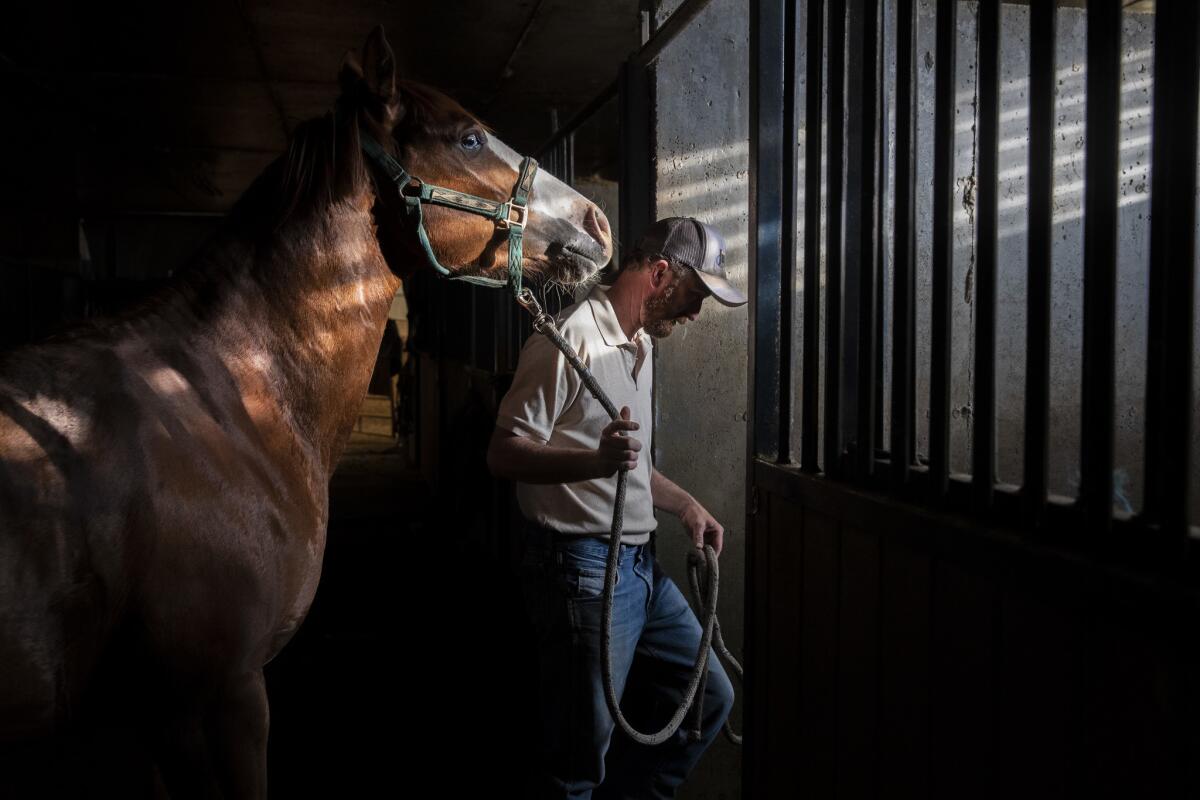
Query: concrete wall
[[700, 373]]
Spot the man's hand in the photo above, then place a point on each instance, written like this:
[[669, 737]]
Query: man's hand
[[702, 527], [618, 450]]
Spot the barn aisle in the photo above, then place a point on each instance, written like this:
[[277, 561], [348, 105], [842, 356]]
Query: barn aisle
[[403, 674]]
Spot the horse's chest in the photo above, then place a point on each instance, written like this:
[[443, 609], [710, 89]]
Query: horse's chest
[[300, 556], [305, 570]]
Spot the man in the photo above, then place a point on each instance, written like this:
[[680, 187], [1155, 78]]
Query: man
[[557, 442]]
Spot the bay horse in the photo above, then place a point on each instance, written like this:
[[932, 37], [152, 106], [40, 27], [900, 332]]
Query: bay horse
[[164, 474]]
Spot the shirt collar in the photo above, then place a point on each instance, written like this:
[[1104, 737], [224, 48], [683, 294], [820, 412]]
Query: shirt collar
[[607, 322]]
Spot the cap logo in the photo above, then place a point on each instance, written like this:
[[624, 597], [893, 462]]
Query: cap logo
[[721, 259]]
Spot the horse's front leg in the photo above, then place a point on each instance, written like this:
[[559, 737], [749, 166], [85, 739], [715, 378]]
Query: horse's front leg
[[237, 737], [215, 747]]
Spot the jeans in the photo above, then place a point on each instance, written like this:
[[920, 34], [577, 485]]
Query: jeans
[[655, 636]]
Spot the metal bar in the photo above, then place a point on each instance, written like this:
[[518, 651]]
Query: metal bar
[[809, 446], [1172, 263], [580, 117], [833, 248], [1100, 264], [768, 36], [666, 33], [762, 435], [1043, 21], [569, 160], [637, 168], [943, 247], [904, 257], [880, 248], [549, 161], [787, 234], [859, 378], [983, 471], [853, 220]]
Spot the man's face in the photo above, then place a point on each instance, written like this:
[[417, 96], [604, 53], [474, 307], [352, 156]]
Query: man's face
[[675, 299]]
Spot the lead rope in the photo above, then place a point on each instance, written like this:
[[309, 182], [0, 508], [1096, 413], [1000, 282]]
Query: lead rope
[[543, 323], [511, 216]]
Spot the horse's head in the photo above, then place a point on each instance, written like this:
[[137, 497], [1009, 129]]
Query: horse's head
[[566, 237]]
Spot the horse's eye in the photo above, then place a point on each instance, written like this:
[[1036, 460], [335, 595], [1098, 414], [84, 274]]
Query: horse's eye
[[471, 141]]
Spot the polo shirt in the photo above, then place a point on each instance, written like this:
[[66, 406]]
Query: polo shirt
[[548, 403]]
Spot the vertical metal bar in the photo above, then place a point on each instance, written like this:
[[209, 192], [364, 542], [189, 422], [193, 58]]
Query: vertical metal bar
[[569, 160], [833, 246], [862, 133], [880, 240], [1043, 21], [472, 325], [768, 151], [1172, 261], [551, 160], [904, 257], [943, 247], [787, 236], [983, 444], [809, 446], [856, 210], [1100, 262], [637, 167]]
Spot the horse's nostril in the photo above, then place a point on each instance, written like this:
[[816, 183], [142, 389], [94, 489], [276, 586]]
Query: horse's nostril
[[596, 224]]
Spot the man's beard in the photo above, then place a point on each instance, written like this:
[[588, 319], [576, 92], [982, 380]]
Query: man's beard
[[660, 329], [656, 309]]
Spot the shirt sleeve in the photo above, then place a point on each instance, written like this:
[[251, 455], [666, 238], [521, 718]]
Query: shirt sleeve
[[544, 386]]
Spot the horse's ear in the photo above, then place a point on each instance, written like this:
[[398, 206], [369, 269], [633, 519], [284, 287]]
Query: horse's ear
[[379, 66], [351, 72]]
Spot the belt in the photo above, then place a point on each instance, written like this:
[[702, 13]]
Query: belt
[[532, 529]]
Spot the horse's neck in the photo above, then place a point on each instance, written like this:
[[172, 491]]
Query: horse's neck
[[300, 331]]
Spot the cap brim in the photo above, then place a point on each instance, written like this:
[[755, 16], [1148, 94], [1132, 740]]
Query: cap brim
[[725, 292]]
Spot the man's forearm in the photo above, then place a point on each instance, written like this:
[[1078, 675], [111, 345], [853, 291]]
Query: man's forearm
[[517, 458], [667, 494]]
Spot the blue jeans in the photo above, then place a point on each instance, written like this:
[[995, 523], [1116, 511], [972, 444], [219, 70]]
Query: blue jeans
[[655, 635]]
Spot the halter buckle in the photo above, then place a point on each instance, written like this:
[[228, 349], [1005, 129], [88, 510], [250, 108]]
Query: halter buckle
[[521, 217]]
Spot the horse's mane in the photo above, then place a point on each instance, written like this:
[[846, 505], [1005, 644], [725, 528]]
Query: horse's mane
[[323, 163], [322, 166]]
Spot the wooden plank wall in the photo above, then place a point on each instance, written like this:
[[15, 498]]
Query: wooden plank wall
[[899, 653]]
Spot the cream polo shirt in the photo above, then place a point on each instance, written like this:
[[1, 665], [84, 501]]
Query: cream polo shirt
[[549, 404]]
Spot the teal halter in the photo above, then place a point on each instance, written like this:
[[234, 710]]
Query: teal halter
[[510, 215]]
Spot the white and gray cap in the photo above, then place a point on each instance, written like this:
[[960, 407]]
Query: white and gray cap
[[688, 241]]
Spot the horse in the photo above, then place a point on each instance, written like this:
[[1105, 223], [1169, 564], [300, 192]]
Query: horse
[[164, 473]]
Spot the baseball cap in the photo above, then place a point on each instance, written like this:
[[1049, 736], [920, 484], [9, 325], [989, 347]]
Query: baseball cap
[[690, 242]]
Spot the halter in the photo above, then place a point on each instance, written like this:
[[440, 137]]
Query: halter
[[510, 215]]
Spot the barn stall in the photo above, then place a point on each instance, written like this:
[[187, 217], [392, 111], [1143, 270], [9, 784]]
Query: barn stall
[[952, 438]]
